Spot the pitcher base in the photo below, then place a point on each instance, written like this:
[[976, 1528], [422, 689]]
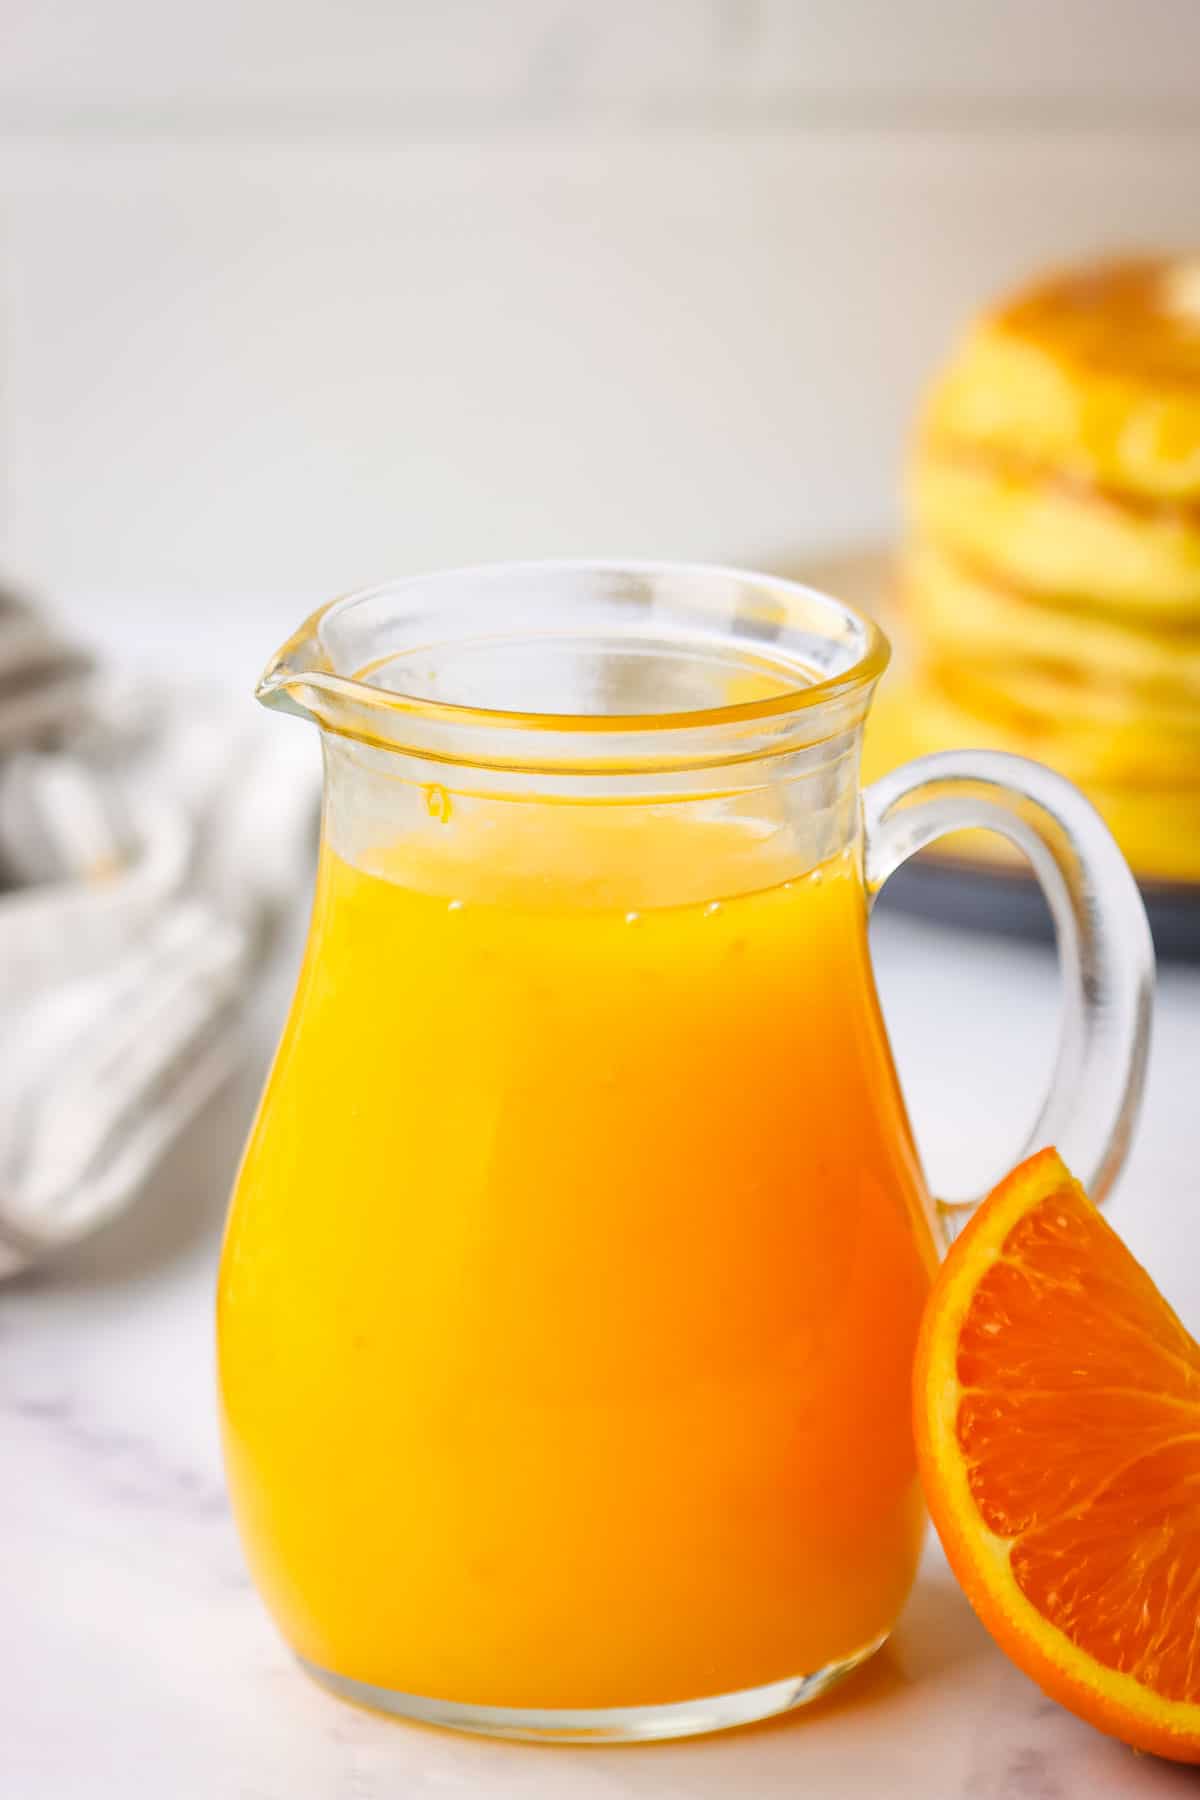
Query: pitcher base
[[602, 1725]]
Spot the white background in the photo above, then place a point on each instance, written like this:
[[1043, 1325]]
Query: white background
[[297, 297]]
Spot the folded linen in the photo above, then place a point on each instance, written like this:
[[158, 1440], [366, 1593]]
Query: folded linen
[[152, 840]]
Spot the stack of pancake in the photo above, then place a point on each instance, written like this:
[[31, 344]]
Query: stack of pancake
[[1051, 572]]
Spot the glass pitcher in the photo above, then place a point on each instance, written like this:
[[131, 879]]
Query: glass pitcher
[[574, 1266]]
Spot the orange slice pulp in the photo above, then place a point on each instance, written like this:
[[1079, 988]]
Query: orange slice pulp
[[1057, 1420]]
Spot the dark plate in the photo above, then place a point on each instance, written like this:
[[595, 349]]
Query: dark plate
[[974, 895]]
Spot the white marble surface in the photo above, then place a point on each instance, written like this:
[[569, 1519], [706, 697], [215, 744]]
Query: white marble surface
[[136, 1660]]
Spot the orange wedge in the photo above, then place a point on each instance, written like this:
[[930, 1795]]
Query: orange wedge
[[1057, 1420]]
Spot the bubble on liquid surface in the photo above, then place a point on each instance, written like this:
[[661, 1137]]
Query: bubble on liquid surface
[[455, 906], [633, 918], [711, 910], [437, 803]]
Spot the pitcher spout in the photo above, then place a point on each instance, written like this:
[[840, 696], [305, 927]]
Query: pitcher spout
[[294, 676]]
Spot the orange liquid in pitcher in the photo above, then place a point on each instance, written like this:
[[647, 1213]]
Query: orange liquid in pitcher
[[571, 1285]]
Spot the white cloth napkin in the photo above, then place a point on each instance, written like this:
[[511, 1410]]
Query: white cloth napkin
[[148, 850]]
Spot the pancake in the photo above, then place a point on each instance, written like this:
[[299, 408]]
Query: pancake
[[1057, 539], [1051, 575], [958, 614], [963, 706], [1094, 373], [1156, 824], [1090, 733]]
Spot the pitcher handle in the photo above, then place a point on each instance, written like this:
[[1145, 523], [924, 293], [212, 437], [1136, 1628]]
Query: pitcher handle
[[1104, 941]]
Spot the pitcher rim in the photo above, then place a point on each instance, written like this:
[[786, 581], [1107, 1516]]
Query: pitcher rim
[[302, 665]]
